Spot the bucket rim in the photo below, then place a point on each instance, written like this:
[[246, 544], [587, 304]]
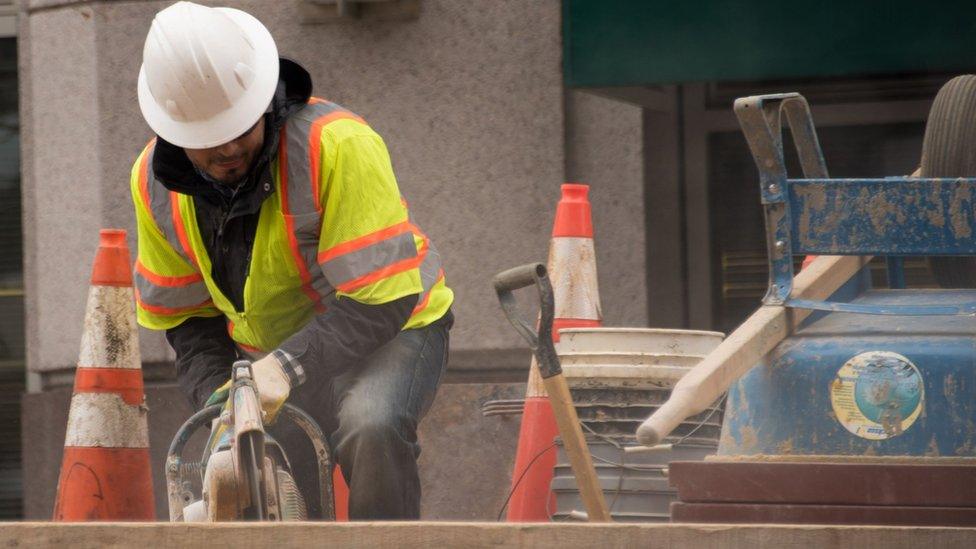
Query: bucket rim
[[624, 330]]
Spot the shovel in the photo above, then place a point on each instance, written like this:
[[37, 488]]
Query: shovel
[[552, 376]]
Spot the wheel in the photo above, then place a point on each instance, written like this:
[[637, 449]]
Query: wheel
[[949, 150]]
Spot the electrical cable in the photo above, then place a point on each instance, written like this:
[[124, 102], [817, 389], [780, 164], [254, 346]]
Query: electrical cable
[[620, 447], [609, 440], [719, 403], [522, 476]]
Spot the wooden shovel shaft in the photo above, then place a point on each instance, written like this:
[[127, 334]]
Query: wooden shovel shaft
[[576, 448], [747, 345]]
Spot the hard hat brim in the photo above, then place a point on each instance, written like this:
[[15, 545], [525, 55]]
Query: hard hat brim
[[233, 122]]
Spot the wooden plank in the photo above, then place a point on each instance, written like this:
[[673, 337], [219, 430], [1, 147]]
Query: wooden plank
[[825, 483], [370, 535], [742, 350], [822, 514]]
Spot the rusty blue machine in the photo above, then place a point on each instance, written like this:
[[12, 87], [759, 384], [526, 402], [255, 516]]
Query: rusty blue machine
[[878, 372]]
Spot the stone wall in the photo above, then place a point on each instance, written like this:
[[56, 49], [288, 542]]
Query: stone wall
[[604, 148]]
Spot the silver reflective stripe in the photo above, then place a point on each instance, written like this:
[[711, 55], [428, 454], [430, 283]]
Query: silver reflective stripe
[[353, 265], [430, 271], [161, 206], [303, 206], [175, 297], [321, 284], [299, 176], [430, 267]]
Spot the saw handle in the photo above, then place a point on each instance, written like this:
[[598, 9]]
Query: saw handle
[[519, 277]]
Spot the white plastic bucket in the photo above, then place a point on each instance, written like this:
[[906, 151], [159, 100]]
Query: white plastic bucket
[[631, 357]]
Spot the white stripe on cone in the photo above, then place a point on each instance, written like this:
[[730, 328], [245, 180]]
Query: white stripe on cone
[[104, 420], [110, 338], [572, 270]]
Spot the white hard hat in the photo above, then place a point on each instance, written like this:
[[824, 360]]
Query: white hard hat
[[207, 76]]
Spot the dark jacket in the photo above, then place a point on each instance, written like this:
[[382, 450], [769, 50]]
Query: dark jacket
[[334, 341]]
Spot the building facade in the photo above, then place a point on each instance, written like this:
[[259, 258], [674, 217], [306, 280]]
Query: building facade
[[487, 107], [470, 100]]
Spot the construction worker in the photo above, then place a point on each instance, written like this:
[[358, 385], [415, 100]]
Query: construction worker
[[271, 226]]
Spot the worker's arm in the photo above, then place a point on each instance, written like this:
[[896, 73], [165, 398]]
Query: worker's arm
[[342, 337], [368, 251], [204, 354]]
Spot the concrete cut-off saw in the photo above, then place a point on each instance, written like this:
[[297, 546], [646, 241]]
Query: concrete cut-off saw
[[244, 474]]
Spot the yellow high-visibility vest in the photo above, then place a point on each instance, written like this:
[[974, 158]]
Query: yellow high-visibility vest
[[336, 228]]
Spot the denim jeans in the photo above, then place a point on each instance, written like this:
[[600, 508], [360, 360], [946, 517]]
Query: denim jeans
[[370, 416]]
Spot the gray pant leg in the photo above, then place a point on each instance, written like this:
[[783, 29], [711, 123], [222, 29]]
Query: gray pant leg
[[370, 416], [379, 409]]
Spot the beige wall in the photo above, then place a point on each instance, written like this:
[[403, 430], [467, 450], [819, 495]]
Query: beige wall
[[605, 148], [468, 96]]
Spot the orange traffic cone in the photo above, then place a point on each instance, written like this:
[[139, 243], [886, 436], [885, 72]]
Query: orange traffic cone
[[572, 270], [340, 495], [105, 474]]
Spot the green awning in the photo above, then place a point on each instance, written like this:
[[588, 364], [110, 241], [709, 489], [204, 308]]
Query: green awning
[[645, 42]]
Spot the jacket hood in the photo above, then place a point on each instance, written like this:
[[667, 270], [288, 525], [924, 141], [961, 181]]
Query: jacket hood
[[173, 168]]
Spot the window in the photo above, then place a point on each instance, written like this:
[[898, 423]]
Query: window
[[12, 351]]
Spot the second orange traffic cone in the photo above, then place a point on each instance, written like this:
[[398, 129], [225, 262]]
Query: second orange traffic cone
[[105, 473], [572, 270]]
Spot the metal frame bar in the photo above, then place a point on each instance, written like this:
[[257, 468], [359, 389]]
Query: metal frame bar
[[895, 216], [761, 120]]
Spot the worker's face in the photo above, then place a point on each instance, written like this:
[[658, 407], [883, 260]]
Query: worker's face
[[230, 162]]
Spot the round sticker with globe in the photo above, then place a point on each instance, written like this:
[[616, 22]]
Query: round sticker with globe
[[877, 395]]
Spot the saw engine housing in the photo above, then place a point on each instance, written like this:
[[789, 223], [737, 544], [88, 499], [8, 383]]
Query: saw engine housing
[[244, 474]]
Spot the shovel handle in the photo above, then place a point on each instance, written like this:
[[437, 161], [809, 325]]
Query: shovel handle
[[559, 396], [540, 341]]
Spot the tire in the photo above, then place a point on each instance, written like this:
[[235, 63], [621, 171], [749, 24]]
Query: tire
[[949, 150]]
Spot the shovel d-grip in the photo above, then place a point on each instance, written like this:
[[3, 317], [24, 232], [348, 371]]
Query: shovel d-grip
[[540, 341], [543, 347]]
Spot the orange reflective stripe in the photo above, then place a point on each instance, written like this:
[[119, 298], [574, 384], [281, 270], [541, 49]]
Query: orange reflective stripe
[[144, 177], [387, 271], [303, 272], [364, 241], [424, 246], [315, 146], [169, 311], [380, 274], [246, 347], [167, 281], [126, 382], [174, 200], [421, 234]]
